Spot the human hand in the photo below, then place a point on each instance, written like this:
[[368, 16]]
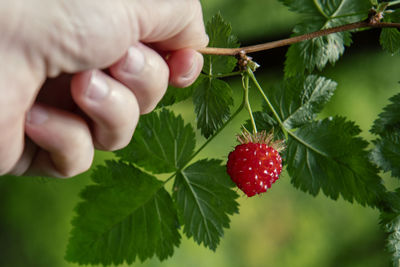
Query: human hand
[[51, 121]]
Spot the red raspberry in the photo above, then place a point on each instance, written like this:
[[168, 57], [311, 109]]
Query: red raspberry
[[255, 164]]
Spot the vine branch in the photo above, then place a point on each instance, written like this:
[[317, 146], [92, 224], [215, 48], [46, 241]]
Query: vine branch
[[296, 39]]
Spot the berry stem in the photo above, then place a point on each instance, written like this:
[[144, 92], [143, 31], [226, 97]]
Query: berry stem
[[245, 83], [238, 110], [253, 78]]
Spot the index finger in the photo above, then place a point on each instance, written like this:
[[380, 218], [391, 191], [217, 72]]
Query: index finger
[[171, 25]]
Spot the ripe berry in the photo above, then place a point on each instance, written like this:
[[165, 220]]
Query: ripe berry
[[255, 164]]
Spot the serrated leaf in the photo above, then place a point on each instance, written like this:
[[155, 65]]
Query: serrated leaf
[[386, 153], [264, 121], [126, 215], [175, 95], [390, 40], [393, 239], [212, 99], [390, 37], [317, 52], [204, 199], [328, 155], [388, 121], [390, 221], [162, 143], [220, 35], [297, 101]]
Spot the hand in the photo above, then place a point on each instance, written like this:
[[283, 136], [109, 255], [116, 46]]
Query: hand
[[56, 103]]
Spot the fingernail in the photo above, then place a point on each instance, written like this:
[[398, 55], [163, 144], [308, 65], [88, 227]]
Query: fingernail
[[97, 87], [37, 115], [134, 61]]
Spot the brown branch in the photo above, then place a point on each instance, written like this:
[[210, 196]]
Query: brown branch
[[296, 39]]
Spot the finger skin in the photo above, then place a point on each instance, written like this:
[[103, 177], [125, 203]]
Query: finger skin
[[147, 83], [185, 66], [111, 106], [17, 92], [88, 34], [66, 147], [84, 35], [184, 29]]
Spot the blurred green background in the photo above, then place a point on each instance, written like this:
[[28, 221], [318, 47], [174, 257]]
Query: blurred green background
[[284, 227]]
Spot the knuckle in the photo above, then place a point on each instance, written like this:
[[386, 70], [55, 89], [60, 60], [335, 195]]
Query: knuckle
[[80, 165], [77, 158]]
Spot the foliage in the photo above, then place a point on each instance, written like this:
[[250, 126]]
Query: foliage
[[316, 53], [129, 212]]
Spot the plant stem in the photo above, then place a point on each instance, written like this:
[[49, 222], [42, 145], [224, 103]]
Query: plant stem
[[253, 78], [225, 75], [296, 39], [245, 82], [239, 109]]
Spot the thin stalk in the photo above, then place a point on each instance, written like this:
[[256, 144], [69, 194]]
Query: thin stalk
[[253, 78], [239, 109], [225, 75], [245, 83], [296, 39]]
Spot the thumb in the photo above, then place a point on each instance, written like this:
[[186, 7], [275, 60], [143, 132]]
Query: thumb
[[95, 34]]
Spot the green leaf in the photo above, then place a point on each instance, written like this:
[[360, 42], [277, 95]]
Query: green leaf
[[297, 101], [386, 153], [388, 122], [328, 155], [319, 15], [161, 143], [175, 95], [204, 199], [390, 40], [126, 215], [264, 121], [390, 37], [212, 99], [304, 7], [390, 221], [220, 35], [392, 227]]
